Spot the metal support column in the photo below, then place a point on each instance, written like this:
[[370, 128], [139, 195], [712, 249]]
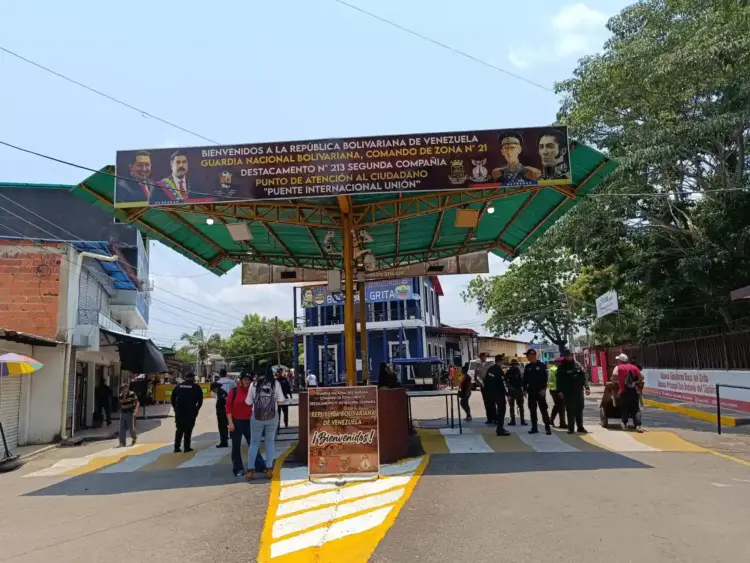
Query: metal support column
[[363, 333], [350, 328]]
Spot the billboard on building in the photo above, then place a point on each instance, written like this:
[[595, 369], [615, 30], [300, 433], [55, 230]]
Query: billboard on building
[[379, 291], [343, 431], [329, 167], [474, 263]]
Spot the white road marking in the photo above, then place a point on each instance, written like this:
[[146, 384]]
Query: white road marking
[[619, 441], [304, 488], [338, 530], [293, 475], [404, 467], [300, 522], [742, 480], [204, 457], [467, 444], [342, 493], [720, 485], [68, 464], [456, 431], [546, 444], [135, 462]]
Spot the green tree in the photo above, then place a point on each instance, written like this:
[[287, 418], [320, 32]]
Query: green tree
[[200, 347], [254, 341], [531, 295], [669, 99]]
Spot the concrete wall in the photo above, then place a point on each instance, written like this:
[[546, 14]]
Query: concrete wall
[[41, 393]]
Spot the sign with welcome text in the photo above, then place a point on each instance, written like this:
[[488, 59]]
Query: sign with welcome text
[[343, 431], [379, 291], [423, 162]]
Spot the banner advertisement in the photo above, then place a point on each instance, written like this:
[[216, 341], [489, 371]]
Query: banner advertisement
[[699, 386], [474, 263], [375, 292], [343, 431], [329, 167]]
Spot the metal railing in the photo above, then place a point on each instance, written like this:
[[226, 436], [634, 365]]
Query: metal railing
[[718, 401]]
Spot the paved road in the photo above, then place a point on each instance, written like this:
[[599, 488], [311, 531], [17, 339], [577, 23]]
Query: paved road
[[583, 504]]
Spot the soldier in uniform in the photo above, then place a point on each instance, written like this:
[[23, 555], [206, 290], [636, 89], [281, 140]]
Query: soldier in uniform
[[572, 381], [187, 400], [514, 383], [535, 387], [553, 150], [514, 172]]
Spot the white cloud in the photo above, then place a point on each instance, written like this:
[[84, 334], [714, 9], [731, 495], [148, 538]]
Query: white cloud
[[578, 30], [578, 16]]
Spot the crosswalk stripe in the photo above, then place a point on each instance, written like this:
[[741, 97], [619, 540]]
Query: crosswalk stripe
[[135, 462], [338, 530], [579, 441], [301, 522], [204, 457], [546, 444], [505, 444], [433, 442], [303, 489], [666, 442], [467, 444], [618, 441]]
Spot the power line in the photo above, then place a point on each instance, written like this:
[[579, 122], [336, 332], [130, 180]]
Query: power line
[[444, 46], [105, 95]]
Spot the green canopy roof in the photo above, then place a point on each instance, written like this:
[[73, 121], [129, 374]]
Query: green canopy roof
[[406, 228]]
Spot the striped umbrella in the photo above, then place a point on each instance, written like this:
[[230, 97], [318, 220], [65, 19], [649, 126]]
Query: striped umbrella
[[17, 364]]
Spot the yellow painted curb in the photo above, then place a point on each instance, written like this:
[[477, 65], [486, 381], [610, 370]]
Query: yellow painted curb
[[692, 413], [354, 546]]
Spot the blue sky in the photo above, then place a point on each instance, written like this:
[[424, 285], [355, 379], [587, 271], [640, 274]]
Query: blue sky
[[251, 71]]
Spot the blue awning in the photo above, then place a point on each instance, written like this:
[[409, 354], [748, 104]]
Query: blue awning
[[117, 272]]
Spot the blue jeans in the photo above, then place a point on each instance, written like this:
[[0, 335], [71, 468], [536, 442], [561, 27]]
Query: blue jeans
[[242, 428], [258, 427]]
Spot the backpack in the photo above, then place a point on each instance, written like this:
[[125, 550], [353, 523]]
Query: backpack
[[631, 380], [264, 403]]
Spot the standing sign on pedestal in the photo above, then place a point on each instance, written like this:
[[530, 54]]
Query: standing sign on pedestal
[[343, 431]]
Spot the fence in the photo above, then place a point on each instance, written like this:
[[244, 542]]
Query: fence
[[730, 350]]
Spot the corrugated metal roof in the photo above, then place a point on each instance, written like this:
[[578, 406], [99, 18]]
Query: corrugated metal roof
[[521, 215]]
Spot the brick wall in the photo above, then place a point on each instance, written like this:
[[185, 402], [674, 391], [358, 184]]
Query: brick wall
[[30, 287]]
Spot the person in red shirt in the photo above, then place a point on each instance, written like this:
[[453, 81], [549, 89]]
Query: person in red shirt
[[238, 416], [630, 380]]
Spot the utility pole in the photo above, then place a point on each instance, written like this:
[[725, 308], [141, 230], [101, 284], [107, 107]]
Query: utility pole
[[277, 336]]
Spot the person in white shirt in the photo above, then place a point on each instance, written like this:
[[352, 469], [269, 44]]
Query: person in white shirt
[[312, 381], [264, 396], [227, 383]]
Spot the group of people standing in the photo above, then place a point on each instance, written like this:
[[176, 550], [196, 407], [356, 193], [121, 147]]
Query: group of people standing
[[565, 380], [251, 409]]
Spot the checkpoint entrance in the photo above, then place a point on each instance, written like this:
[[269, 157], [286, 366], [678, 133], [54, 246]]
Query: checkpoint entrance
[[370, 208]]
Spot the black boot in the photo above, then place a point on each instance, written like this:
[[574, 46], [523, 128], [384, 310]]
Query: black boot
[[512, 422], [534, 430]]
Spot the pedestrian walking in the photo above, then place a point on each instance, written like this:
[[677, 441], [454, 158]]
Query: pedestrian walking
[[187, 400], [558, 401], [128, 411], [103, 397], [514, 384], [571, 381], [221, 414], [464, 393], [238, 417], [264, 396], [494, 384], [535, 389], [630, 383], [479, 373], [286, 390]]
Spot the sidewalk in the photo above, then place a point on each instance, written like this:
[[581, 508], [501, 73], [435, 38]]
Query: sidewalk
[[707, 413]]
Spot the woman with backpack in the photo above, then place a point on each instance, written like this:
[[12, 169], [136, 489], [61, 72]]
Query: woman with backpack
[[264, 396]]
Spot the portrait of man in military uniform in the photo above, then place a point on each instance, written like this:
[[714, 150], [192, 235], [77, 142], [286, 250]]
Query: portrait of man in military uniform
[[514, 172], [553, 151]]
